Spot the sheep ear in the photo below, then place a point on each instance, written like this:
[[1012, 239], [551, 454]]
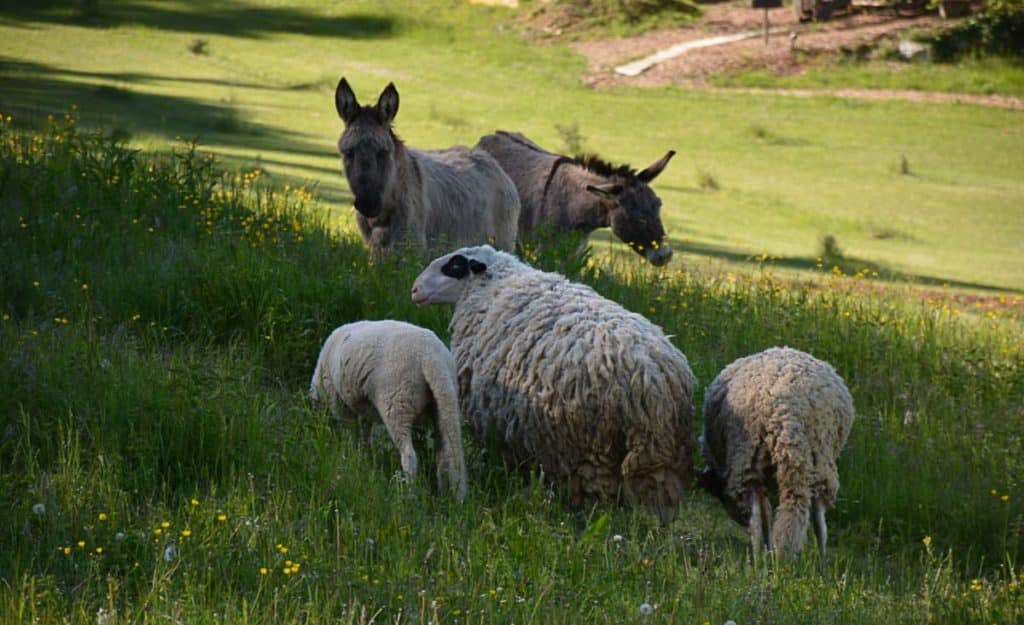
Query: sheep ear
[[476, 266], [457, 267], [605, 191], [345, 101], [387, 103], [656, 168]]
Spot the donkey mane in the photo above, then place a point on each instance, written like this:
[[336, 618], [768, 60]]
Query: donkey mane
[[595, 164]]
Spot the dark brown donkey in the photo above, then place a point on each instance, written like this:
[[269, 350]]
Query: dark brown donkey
[[445, 198], [582, 194]]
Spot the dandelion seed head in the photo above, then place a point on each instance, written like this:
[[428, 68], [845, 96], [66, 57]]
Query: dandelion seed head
[[119, 536], [170, 552], [646, 608], [39, 508]]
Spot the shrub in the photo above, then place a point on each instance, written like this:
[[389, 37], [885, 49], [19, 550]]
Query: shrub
[[999, 30]]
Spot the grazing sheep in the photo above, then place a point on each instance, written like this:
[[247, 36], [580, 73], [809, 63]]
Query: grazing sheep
[[776, 420], [403, 372], [457, 196], [565, 380]]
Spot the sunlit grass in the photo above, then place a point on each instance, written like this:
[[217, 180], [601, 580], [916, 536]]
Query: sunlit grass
[[752, 174], [160, 460]]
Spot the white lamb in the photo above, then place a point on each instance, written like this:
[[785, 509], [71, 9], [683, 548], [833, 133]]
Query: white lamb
[[776, 420], [566, 380], [404, 373]]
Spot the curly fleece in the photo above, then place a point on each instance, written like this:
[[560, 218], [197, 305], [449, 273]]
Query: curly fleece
[[778, 418], [572, 383]]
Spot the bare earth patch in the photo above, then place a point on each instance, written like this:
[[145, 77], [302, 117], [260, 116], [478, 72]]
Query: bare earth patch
[[792, 48]]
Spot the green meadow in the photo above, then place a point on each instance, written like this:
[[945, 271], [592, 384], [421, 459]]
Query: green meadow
[[177, 242]]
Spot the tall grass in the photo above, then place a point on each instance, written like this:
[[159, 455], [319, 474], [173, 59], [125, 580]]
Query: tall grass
[[160, 461]]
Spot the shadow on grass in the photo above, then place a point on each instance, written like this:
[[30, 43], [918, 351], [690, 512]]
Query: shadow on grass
[[32, 91], [848, 265], [232, 18]]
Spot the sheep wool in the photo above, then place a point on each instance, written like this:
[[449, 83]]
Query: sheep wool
[[404, 373], [564, 380], [776, 420]]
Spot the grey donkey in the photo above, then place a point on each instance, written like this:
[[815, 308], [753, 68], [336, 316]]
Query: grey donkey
[[581, 194], [424, 199]]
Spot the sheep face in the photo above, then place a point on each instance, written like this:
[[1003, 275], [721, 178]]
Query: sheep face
[[446, 278], [715, 485]]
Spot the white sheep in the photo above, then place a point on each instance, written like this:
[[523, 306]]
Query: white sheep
[[776, 421], [563, 379], [404, 373]]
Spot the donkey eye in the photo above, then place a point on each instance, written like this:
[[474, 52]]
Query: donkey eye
[[347, 153]]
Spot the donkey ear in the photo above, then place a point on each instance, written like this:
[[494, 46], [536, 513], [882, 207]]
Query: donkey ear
[[608, 191], [652, 172], [387, 103], [345, 101]]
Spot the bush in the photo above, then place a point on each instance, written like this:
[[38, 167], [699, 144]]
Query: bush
[[999, 30]]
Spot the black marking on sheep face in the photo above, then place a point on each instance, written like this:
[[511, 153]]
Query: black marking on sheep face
[[458, 267]]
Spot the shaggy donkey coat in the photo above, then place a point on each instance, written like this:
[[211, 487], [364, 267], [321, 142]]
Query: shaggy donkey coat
[[403, 196], [561, 194], [776, 420], [404, 373], [563, 379]]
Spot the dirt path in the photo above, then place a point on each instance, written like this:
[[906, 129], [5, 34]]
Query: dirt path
[[791, 49], [888, 94]]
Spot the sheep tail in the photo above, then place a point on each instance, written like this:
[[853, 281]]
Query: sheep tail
[[795, 495], [448, 429]]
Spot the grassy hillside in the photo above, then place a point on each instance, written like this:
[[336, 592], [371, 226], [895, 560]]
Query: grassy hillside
[[789, 171], [161, 312], [160, 460]]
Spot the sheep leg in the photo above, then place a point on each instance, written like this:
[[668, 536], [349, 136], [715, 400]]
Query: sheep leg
[[756, 529], [820, 529], [766, 521], [401, 436]]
